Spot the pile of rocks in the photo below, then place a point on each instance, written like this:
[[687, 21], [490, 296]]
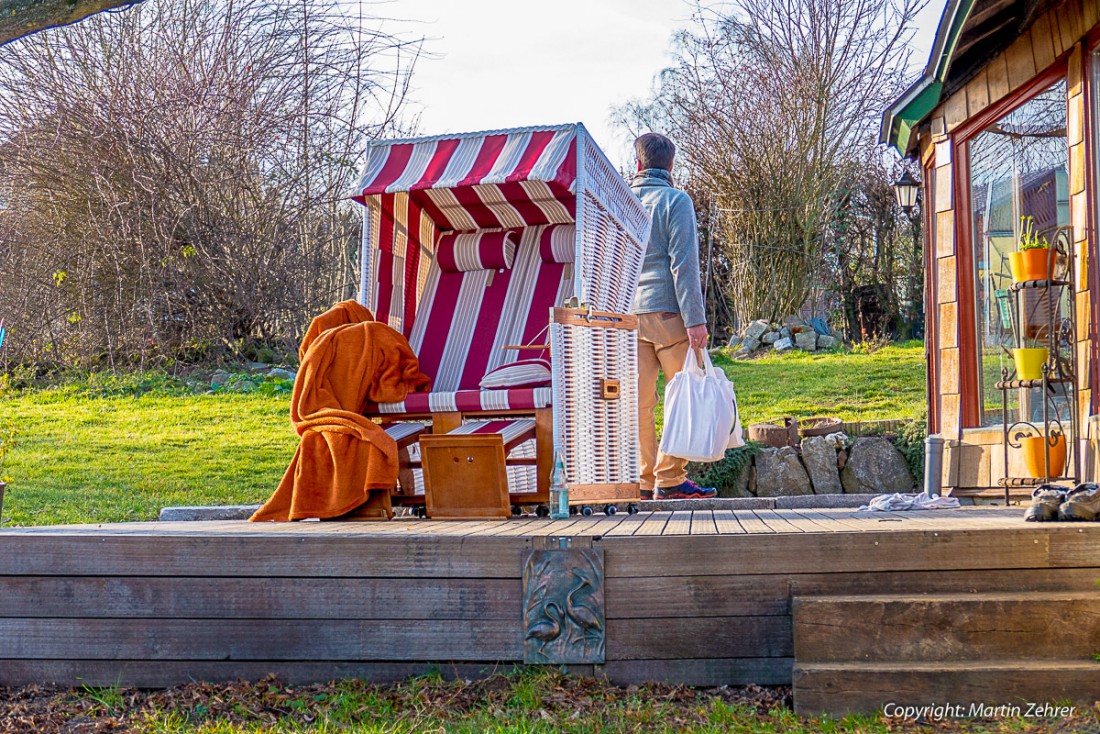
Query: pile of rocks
[[825, 465], [792, 333]]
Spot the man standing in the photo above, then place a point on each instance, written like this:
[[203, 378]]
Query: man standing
[[669, 305]]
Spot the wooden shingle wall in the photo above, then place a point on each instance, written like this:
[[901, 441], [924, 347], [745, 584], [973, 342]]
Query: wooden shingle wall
[[1057, 34]]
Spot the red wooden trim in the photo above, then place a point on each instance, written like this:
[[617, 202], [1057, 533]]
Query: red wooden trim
[[970, 398], [931, 298], [1015, 98], [1092, 273]]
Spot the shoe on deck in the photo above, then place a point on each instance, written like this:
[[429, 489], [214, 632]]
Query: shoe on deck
[[687, 490], [1045, 501], [1082, 503]]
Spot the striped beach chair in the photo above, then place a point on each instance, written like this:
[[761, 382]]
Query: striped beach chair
[[473, 246]]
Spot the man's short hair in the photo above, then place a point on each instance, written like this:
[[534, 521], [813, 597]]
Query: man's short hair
[[655, 151]]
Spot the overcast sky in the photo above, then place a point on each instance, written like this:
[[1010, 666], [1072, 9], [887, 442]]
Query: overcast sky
[[510, 63]]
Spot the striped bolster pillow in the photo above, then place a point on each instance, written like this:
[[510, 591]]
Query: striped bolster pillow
[[524, 373], [461, 252], [557, 244]]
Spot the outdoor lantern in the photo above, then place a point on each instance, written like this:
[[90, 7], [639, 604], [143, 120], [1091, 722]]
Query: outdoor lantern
[[906, 189]]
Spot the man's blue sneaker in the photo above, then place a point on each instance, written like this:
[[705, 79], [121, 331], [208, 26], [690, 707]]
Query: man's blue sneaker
[[688, 490]]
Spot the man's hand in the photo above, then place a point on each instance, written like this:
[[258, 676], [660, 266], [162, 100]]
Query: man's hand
[[697, 336]]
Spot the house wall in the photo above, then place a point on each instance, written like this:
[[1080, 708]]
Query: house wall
[[975, 457]]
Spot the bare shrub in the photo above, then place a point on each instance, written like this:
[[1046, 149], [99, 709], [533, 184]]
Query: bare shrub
[[174, 178]]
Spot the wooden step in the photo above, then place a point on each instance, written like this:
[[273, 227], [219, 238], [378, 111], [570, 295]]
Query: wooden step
[[972, 689], [947, 627]]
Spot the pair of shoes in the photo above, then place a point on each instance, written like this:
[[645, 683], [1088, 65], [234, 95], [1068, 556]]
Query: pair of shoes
[[1050, 502], [686, 490], [646, 494], [1082, 503], [1045, 501]]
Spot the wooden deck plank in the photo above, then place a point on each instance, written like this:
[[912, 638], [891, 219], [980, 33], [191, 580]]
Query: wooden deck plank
[[654, 524], [746, 593], [726, 522], [195, 597], [871, 551], [711, 637], [804, 524], [678, 524], [259, 556], [252, 639], [598, 527], [752, 524], [702, 523], [628, 526]]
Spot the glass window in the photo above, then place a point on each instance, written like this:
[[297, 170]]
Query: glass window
[[1019, 179]]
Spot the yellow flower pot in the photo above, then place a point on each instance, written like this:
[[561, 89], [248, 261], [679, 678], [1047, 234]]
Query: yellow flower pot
[[1029, 362], [1035, 455], [1016, 267]]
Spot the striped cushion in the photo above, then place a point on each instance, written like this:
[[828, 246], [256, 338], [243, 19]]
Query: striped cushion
[[462, 252], [465, 401], [523, 373]]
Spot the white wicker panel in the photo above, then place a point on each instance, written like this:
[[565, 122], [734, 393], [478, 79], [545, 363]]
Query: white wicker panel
[[598, 438], [606, 185], [610, 262]]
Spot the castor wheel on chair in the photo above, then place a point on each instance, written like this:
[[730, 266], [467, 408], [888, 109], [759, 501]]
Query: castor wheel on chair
[[632, 509], [542, 511], [421, 511], [586, 510], [610, 510], [516, 510]]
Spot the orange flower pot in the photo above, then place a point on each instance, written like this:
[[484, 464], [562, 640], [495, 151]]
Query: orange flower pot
[[1033, 264], [1035, 455]]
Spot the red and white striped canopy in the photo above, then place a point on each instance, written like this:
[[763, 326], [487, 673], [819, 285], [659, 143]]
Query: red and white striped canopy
[[511, 178]]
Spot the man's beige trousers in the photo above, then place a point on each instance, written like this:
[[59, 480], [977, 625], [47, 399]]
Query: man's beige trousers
[[662, 347]]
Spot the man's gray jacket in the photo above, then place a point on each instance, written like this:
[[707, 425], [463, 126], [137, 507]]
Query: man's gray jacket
[[670, 272]]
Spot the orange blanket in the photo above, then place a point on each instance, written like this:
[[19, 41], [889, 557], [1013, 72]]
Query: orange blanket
[[345, 462]]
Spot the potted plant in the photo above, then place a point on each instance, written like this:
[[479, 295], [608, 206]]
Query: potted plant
[[7, 443], [1032, 260]]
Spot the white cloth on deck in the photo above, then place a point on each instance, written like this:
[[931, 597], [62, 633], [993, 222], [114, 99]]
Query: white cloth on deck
[[900, 502]]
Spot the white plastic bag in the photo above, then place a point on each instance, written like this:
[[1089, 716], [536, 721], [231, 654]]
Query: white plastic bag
[[700, 412]]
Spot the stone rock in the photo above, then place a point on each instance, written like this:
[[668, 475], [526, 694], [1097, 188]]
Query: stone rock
[[216, 512], [280, 373], [841, 458], [779, 473], [783, 345], [219, 378], [784, 333], [806, 341], [258, 366], [794, 322], [819, 456], [750, 345], [756, 329], [770, 338], [874, 466], [740, 486], [822, 501], [735, 341], [824, 341]]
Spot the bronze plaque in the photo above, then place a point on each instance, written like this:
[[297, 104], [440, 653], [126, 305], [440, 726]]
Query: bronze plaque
[[563, 607]]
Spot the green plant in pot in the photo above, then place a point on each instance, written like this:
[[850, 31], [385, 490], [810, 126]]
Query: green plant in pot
[[1032, 260], [7, 443]]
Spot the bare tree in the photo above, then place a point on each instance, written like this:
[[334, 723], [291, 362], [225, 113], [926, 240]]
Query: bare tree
[[775, 106], [174, 179]]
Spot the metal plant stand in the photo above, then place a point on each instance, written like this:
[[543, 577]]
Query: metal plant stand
[[1058, 409]]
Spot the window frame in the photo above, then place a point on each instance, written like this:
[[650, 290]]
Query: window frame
[[970, 394]]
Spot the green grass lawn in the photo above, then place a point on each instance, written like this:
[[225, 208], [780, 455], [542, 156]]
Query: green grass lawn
[[95, 455]]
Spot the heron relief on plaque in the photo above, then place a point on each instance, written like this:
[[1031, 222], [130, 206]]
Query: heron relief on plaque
[[563, 606]]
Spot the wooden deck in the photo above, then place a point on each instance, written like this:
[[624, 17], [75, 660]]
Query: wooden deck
[[702, 598]]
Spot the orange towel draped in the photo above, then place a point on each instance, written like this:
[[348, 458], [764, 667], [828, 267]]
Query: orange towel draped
[[345, 461]]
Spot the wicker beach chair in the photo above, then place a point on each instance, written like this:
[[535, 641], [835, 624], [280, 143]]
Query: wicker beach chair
[[473, 246]]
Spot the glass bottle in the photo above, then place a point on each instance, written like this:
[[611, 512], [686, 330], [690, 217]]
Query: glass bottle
[[559, 490]]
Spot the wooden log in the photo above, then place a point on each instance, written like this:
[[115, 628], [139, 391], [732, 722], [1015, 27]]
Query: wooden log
[[709, 672], [677, 638], [19, 18], [261, 640], [988, 626], [840, 690], [259, 598]]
